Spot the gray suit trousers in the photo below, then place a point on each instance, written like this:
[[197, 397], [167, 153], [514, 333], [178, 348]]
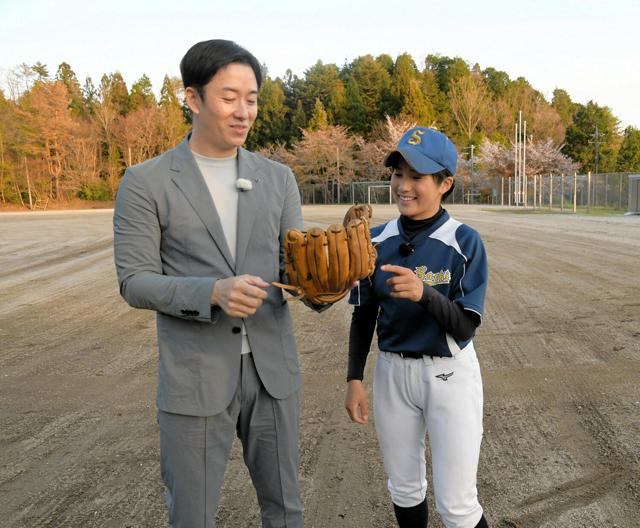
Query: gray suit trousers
[[194, 451]]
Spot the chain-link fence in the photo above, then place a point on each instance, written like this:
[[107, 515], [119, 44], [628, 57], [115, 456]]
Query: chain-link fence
[[346, 193], [569, 192], [377, 192], [574, 192]]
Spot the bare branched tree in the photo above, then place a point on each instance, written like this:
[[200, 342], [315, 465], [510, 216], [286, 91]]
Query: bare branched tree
[[325, 155], [50, 129], [395, 129], [469, 100], [542, 157], [138, 134], [83, 164]]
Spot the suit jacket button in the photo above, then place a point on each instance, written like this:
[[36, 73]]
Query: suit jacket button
[[236, 329]]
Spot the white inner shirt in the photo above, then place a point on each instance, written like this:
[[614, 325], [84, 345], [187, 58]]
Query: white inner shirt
[[221, 175]]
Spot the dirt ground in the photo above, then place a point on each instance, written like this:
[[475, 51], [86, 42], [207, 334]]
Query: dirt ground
[[559, 351]]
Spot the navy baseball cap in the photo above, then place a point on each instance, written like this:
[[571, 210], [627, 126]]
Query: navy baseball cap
[[426, 150]]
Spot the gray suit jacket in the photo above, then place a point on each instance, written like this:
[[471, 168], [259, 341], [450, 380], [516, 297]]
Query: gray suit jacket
[[169, 251]]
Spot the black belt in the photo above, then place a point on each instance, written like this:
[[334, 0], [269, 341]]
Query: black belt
[[412, 355]]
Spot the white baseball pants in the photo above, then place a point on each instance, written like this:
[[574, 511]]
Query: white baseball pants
[[410, 401]]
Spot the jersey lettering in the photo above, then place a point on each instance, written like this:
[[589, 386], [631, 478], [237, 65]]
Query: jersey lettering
[[432, 279]]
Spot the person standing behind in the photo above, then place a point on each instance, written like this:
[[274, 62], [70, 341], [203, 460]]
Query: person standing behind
[[197, 235], [426, 298]]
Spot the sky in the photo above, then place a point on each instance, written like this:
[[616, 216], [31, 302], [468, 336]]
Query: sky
[[589, 48]]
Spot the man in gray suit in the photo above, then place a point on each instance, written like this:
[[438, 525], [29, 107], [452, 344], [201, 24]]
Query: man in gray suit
[[197, 239]]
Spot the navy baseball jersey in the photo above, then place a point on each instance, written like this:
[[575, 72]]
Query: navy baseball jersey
[[448, 256]]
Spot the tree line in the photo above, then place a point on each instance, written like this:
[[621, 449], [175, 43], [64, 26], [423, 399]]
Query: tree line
[[60, 139]]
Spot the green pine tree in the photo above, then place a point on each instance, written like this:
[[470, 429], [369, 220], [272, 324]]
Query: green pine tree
[[169, 92], [337, 104], [496, 81], [319, 118], [298, 120], [355, 112], [113, 91], [386, 62], [580, 141], [446, 70], [564, 106], [141, 95], [402, 81], [271, 124], [374, 83], [416, 106], [320, 81], [629, 153], [41, 71], [67, 76], [89, 95]]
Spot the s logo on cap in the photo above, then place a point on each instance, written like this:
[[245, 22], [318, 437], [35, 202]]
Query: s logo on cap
[[415, 138]]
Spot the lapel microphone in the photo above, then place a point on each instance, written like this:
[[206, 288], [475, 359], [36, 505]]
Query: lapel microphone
[[406, 249]]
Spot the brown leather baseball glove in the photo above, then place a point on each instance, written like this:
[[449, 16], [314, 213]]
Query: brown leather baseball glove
[[322, 265]]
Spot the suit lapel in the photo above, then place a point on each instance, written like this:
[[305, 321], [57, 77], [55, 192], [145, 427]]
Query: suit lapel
[[248, 204], [189, 179]]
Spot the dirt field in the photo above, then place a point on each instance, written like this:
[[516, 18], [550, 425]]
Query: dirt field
[[559, 351]]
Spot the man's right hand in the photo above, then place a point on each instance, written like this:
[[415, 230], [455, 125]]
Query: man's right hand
[[356, 402], [239, 296]]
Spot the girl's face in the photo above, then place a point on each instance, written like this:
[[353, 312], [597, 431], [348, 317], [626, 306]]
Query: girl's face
[[418, 196]]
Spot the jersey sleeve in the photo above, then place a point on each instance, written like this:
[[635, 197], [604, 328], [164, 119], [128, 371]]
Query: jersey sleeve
[[363, 324], [461, 324], [471, 286]]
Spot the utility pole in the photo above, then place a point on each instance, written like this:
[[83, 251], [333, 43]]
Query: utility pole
[[471, 177], [596, 142]]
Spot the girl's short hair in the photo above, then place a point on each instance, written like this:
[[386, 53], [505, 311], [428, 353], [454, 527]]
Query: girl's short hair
[[438, 176]]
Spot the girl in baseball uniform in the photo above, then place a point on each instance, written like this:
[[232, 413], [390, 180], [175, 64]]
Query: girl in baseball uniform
[[426, 299]]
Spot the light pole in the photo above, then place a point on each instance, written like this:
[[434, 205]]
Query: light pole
[[520, 161]]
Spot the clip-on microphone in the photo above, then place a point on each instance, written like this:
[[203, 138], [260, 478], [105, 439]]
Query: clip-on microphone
[[406, 249]]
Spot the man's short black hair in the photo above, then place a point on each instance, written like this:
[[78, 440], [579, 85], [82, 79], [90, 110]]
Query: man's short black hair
[[204, 59]]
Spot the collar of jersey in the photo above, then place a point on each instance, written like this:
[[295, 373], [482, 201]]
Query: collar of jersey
[[424, 233]]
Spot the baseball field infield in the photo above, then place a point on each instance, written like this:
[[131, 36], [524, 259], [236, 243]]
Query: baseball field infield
[[559, 350]]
